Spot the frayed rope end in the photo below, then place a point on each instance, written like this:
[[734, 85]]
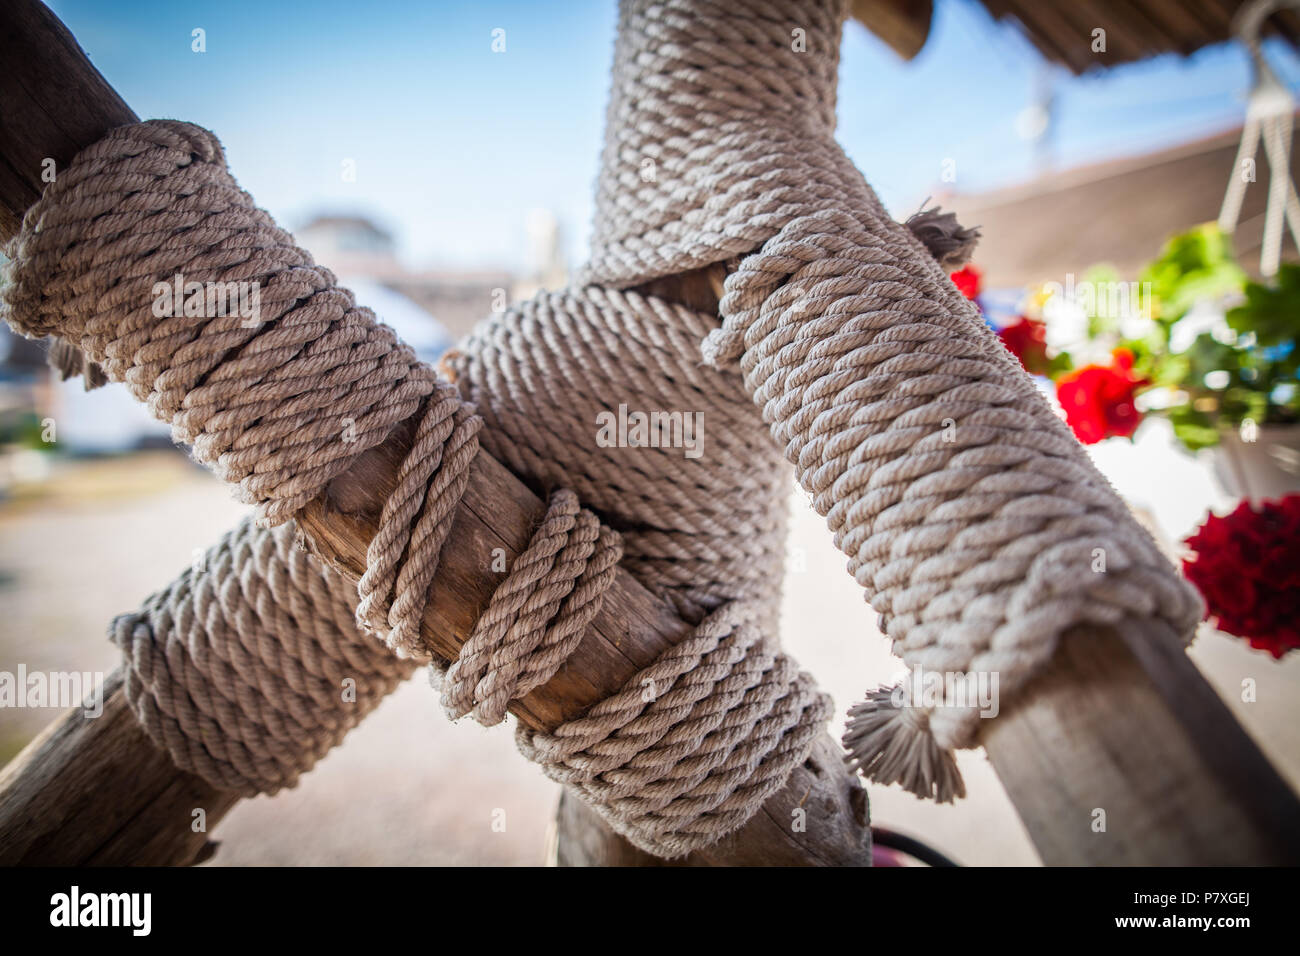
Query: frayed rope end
[[69, 361], [951, 243], [892, 744]]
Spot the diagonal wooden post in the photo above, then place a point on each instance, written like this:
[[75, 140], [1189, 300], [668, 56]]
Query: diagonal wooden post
[[1191, 788]]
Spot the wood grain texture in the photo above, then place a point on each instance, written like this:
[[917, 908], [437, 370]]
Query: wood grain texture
[[97, 792], [497, 511], [1122, 722], [904, 25], [55, 103]]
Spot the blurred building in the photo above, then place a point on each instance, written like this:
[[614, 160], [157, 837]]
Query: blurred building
[[546, 267], [355, 248], [1119, 212], [350, 245]]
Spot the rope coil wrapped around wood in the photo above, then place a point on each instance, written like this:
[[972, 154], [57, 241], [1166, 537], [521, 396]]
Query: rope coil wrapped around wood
[[239, 668], [282, 404], [840, 333], [970, 516]]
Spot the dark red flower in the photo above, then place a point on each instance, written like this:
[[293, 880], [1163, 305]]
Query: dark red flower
[[967, 279], [1247, 566], [1098, 399], [1027, 340]]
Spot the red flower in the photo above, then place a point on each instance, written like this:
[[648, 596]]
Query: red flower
[[1247, 566], [967, 279], [1027, 340], [1098, 399]]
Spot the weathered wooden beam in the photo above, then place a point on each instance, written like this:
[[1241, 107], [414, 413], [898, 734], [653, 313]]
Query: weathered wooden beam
[[1122, 754], [497, 511], [96, 791], [55, 103], [904, 25]]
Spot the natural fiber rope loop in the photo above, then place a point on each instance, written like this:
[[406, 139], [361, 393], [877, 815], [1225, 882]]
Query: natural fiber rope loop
[[279, 402], [248, 667], [694, 744], [282, 404], [972, 519], [536, 618]]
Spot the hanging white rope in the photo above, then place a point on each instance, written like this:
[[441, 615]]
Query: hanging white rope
[[1269, 112]]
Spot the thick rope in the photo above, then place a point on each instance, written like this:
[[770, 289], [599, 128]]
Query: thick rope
[[978, 527], [700, 531], [247, 668], [278, 403], [693, 745], [537, 617], [402, 557], [283, 404]]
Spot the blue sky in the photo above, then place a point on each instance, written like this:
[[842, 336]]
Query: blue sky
[[454, 144]]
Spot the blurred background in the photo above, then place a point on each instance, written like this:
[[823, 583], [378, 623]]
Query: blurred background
[[435, 175]]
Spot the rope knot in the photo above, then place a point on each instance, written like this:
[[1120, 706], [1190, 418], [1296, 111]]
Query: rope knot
[[537, 617]]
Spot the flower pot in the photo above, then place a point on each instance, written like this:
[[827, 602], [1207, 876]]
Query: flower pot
[[1266, 468]]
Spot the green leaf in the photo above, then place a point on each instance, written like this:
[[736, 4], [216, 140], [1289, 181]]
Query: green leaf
[[1272, 313], [1059, 364], [1193, 265], [1195, 430], [1102, 320]]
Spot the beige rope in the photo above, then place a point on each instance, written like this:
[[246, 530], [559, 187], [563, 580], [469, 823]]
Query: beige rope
[[694, 744], [248, 668], [278, 403], [402, 557], [699, 531], [277, 406], [719, 112], [977, 526], [537, 616], [282, 407]]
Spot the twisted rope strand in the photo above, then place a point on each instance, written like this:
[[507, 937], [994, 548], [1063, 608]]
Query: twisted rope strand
[[537, 617], [239, 668], [694, 744], [279, 402], [283, 406], [970, 516]]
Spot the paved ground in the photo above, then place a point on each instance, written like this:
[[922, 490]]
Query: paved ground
[[407, 787]]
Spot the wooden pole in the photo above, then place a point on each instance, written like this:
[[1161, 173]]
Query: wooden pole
[[94, 792], [1062, 754]]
